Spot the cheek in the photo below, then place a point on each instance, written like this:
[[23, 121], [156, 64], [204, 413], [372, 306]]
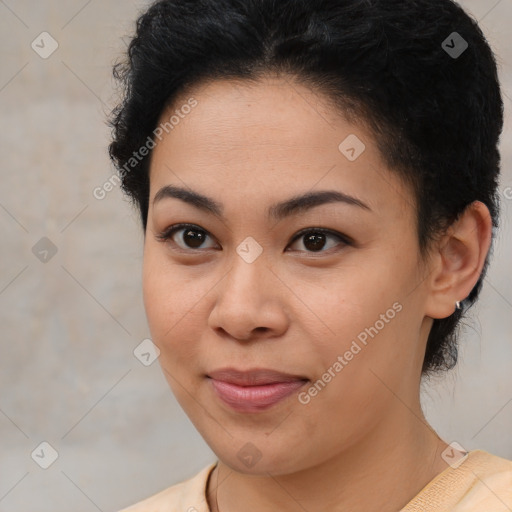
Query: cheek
[[360, 316], [351, 388], [172, 314], [173, 303], [338, 307]]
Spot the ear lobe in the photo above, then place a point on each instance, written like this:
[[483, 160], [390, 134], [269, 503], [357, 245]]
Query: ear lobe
[[458, 260]]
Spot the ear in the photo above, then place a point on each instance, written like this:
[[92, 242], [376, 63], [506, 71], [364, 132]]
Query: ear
[[458, 260]]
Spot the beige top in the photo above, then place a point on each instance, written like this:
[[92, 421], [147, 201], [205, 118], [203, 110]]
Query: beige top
[[481, 483]]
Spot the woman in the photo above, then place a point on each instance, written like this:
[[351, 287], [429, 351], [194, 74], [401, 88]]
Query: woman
[[316, 182]]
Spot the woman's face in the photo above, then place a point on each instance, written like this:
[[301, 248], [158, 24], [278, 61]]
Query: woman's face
[[327, 293]]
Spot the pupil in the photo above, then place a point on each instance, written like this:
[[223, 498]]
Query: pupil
[[315, 242], [194, 238]]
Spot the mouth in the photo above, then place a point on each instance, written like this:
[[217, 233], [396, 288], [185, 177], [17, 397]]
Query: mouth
[[254, 390]]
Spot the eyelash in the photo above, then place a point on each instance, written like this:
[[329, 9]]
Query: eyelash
[[167, 234]]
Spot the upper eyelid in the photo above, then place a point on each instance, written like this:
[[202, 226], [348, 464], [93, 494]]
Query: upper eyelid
[[171, 230], [326, 231]]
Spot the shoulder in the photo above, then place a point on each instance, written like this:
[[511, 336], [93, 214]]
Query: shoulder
[[186, 496], [481, 483], [489, 484]]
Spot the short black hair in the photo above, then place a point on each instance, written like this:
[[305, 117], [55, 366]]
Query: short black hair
[[419, 73]]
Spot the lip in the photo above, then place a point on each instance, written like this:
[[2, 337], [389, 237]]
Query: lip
[[254, 390]]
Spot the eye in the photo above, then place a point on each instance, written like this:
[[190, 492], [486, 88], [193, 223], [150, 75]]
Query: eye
[[189, 236], [317, 239]]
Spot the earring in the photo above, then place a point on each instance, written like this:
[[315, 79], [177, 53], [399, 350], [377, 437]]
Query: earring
[[457, 305]]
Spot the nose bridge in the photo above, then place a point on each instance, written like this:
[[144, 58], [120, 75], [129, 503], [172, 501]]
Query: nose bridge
[[248, 268], [249, 250], [247, 300]]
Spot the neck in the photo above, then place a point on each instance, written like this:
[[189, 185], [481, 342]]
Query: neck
[[382, 472]]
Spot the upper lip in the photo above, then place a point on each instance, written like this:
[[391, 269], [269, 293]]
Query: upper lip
[[253, 377]]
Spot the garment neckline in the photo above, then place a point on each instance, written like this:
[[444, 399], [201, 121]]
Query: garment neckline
[[426, 488]]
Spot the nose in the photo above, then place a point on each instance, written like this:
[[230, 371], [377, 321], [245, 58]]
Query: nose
[[250, 302]]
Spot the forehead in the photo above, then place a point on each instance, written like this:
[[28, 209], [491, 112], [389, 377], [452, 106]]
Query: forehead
[[269, 138], [272, 111]]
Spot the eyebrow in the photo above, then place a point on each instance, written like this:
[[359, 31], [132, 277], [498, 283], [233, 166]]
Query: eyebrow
[[277, 211]]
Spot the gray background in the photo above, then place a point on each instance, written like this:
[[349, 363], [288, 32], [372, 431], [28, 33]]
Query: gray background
[[69, 326]]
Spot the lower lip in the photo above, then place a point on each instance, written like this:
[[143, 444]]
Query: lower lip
[[254, 398]]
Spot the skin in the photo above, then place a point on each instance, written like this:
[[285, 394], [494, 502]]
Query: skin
[[295, 310]]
